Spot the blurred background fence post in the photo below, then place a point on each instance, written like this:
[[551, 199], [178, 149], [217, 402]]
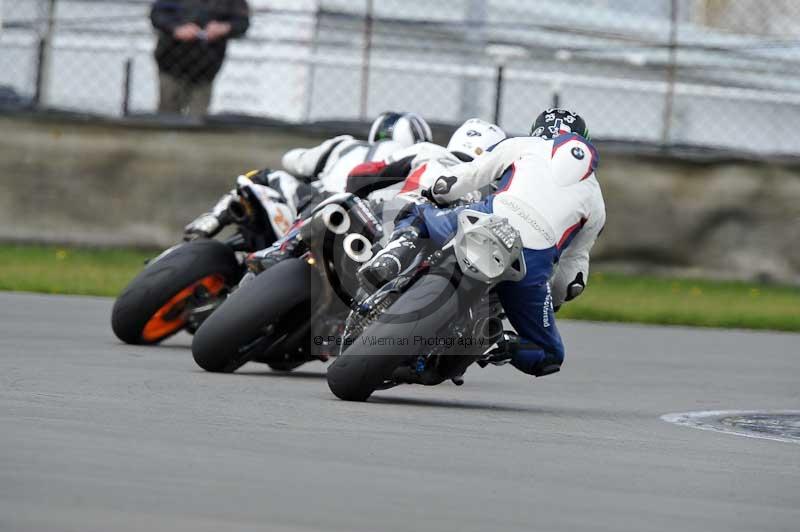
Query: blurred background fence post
[[45, 54], [672, 66], [498, 98], [366, 59], [126, 87]]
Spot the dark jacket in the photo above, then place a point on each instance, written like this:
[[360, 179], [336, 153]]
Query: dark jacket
[[195, 61]]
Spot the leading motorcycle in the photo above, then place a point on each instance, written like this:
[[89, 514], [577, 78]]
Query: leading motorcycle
[[437, 318]]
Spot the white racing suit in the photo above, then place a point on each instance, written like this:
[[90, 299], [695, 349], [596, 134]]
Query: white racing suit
[[310, 173], [398, 180], [282, 196], [549, 192], [406, 171], [332, 161]]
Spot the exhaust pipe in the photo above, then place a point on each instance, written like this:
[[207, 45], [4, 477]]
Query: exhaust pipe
[[358, 248], [336, 219]]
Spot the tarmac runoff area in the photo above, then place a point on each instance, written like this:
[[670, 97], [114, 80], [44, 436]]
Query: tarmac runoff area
[[98, 436]]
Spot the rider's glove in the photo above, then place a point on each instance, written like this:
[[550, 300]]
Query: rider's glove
[[440, 188], [576, 287], [205, 226], [210, 223]]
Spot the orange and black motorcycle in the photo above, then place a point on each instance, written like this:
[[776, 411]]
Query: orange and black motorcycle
[[181, 287]]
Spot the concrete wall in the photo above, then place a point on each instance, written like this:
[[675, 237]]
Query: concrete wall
[[725, 219], [95, 183], [112, 184]]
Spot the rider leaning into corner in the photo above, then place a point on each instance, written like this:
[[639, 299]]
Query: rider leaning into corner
[[332, 161], [548, 190], [412, 169], [310, 174], [390, 184], [394, 182]]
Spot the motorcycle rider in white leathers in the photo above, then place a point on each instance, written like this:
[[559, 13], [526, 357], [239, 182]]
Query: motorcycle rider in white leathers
[[391, 184], [310, 173], [412, 169], [549, 192], [332, 161], [400, 178]]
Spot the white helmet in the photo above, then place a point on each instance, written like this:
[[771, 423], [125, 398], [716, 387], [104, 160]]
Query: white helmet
[[473, 138], [405, 128]]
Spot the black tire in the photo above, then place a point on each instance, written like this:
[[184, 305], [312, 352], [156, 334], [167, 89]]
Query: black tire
[[285, 366], [424, 311], [163, 279], [280, 296]]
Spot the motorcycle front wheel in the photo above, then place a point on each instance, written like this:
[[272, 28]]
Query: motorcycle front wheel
[[156, 303], [402, 333], [260, 315]]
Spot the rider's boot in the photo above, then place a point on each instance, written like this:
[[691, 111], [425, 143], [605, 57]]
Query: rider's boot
[[391, 260], [504, 351], [266, 258]]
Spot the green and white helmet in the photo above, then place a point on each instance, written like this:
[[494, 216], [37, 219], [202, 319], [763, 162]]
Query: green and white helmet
[[405, 128]]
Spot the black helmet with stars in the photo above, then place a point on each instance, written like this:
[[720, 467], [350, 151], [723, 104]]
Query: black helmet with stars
[[554, 122]]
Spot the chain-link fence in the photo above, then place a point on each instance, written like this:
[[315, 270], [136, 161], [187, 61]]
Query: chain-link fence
[[719, 73]]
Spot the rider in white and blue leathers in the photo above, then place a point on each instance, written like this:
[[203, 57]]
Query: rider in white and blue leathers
[[548, 190]]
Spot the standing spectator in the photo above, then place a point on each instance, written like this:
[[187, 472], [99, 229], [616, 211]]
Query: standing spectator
[[193, 37]]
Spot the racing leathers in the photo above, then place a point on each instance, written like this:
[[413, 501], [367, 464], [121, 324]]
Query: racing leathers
[[328, 165], [406, 171], [331, 162], [282, 196], [549, 192], [310, 175], [395, 182]]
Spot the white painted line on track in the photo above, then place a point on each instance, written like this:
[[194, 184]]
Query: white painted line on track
[[711, 420]]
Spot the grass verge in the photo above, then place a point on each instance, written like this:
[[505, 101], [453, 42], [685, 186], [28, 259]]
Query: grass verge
[[57, 270], [610, 297], [664, 301]]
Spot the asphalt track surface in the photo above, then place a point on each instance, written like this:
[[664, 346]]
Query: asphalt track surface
[[98, 436]]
